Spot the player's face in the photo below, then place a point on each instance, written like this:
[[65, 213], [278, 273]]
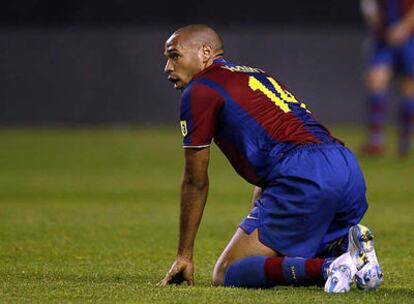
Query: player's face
[[184, 60]]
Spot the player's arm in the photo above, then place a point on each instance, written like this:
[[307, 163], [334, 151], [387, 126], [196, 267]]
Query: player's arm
[[371, 13], [401, 31], [257, 192], [409, 20], [194, 189]]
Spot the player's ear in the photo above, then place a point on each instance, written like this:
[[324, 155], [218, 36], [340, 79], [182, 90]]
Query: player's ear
[[206, 52]]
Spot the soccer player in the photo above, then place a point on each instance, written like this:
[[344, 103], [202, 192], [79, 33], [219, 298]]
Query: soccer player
[[392, 52], [309, 195]]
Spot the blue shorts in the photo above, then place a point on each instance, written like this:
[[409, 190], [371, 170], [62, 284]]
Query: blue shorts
[[399, 58], [317, 194]]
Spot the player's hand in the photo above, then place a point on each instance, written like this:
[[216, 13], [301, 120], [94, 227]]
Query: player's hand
[[180, 271], [398, 34]]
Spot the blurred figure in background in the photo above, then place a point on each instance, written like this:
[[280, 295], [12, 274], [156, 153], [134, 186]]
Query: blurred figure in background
[[392, 53]]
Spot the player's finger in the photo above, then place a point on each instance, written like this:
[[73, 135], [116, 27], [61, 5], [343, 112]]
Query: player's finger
[[164, 281], [158, 284]]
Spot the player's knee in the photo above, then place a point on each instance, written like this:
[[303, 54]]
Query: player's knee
[[378, 79], [219, 272], [407, 87]]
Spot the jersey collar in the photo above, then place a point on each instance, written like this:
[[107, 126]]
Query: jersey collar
[[219, 60]]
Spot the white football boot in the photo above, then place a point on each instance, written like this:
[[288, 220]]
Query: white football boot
[[342, 270], [340, 274], [370, 276]]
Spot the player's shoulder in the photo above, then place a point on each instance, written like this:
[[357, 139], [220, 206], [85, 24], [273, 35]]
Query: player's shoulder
[[220, 78], [200, 89]]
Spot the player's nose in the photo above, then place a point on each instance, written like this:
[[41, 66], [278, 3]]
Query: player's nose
[[168, 67]]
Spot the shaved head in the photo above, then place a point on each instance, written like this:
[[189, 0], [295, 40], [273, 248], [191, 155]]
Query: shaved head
[[201, 34], [190, 50]]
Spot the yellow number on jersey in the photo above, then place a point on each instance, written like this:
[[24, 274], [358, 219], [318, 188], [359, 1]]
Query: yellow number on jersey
[[282, 101]]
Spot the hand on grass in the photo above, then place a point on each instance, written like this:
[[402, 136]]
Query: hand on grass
[[180, 271]]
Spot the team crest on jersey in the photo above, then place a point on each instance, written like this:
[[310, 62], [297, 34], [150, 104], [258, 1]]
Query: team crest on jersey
[[183, 124]]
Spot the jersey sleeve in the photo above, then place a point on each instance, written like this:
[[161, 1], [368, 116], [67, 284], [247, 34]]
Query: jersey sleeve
[[200, 106]]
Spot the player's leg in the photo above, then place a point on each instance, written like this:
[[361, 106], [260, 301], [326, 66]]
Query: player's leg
[[377, 82], [241, 245], [406, 116], [291, 216], [320, 200], [360, 260], [246, 262]]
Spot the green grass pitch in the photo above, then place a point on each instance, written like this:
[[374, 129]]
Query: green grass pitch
[[91, 215]]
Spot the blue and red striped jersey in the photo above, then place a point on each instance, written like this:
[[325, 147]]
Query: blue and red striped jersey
[[252, 117]]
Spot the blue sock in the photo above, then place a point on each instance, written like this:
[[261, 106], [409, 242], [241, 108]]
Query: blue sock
[[248, 272], [406, 123]]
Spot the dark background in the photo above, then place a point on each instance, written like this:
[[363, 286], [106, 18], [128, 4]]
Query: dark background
[[158, 13], [102, 62]]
